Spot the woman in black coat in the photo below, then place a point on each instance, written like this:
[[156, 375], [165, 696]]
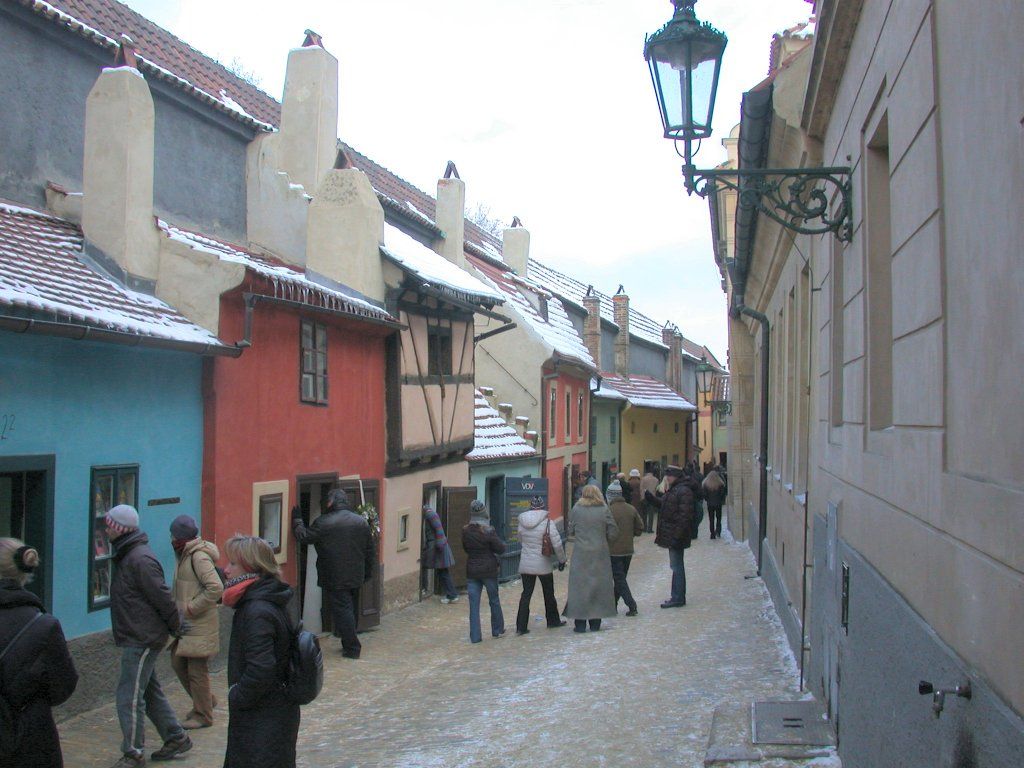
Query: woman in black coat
[[36, 672], [482, 547], [263, 723]]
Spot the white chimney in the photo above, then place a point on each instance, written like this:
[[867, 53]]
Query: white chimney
[[450, 216], [515, 247], [308, 137], [345, 230], [117, 209]]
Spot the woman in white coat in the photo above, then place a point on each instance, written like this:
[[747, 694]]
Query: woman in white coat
[[533, 564]]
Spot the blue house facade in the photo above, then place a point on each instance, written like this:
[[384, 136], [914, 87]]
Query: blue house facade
[[89, 425]]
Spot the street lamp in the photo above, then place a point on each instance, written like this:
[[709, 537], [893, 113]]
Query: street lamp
[[685, 58], [704, 374]]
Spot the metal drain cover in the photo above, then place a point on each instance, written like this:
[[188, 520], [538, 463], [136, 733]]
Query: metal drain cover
[[790, 722]]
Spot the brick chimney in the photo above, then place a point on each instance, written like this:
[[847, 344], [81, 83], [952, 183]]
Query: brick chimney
[[515, 247], [592, 325], [307, 141], [344, 231], [450, 216], [117, 209], [620, 305], [673, 339]]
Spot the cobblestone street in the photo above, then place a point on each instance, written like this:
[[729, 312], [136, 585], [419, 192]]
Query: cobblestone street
[[639, 693]]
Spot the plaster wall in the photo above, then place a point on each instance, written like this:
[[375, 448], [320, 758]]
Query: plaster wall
[[199, 166], [259, 431], [404, 496], [511, 363], [867, 674], [640, 441], [604, 443], [645, 360], [62, 402], [934, 503], [433, 413]]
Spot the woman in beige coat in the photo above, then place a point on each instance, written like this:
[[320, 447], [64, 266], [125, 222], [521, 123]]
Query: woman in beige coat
[[197, 590]]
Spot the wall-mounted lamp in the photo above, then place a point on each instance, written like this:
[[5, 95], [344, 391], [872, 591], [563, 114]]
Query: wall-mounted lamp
[[685, 58]]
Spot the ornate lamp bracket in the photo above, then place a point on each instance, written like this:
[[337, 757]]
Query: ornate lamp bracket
[[722, 406], [812, 201]]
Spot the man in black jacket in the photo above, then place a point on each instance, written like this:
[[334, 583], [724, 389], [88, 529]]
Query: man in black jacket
[[675, 528], [143, 616], [346, 556]]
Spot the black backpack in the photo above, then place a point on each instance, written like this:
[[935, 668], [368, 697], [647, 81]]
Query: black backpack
[[305, 666], [10, 729]]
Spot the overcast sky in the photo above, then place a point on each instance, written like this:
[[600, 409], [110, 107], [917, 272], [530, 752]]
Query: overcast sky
[[545, 106]]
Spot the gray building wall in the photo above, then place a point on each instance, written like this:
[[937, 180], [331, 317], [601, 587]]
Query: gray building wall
[[47, 74], [608, 334], [646, 360], [870, 678]]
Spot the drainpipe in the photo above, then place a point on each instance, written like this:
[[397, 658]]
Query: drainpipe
[[762, 455]]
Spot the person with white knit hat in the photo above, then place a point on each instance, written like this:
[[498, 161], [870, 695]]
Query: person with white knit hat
[[143, 616]]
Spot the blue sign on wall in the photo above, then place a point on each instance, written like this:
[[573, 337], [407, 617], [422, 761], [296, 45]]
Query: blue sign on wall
[[518, 493]]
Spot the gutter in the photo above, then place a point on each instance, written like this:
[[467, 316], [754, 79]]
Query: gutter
[[79, 332], [762, 453], [252, 299]]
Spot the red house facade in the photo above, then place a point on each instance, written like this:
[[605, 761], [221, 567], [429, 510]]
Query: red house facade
[[303, 409]]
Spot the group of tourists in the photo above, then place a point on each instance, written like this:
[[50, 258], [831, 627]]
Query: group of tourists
[[602, 528], [148, 616]]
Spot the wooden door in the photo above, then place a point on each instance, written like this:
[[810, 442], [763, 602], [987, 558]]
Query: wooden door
[[454, 518]]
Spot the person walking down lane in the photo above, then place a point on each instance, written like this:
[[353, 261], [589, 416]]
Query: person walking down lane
[[197, 590], [482, 545], [621, 549], [143, 616], [648, 484], [535, 566], [714, 495], [591, 587], [635, 496], [36, 670], [346, 556], [675, 530], [695, 480], [437, 553], [263, 723]]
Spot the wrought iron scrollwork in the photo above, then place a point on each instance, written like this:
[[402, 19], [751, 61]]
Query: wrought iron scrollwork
[[812, 201]]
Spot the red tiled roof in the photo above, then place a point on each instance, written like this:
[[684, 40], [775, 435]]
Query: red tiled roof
[[163, 55], [41, 270], [646, 392]]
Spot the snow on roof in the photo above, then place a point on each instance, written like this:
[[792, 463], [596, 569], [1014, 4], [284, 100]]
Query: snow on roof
[[41, 269], [605, 391], [640, 325], [647, 392], [557, 331], [414, 257], [288, 281], [494, 438]]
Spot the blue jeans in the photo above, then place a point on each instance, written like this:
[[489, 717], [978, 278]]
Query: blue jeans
[[444, 576], [475, 587], [139, 694], [675, 561]]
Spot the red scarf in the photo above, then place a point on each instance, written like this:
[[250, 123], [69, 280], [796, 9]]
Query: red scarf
[[236, 588]]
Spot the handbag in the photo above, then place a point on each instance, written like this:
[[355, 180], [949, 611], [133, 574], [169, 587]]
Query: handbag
[[547, 549]]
